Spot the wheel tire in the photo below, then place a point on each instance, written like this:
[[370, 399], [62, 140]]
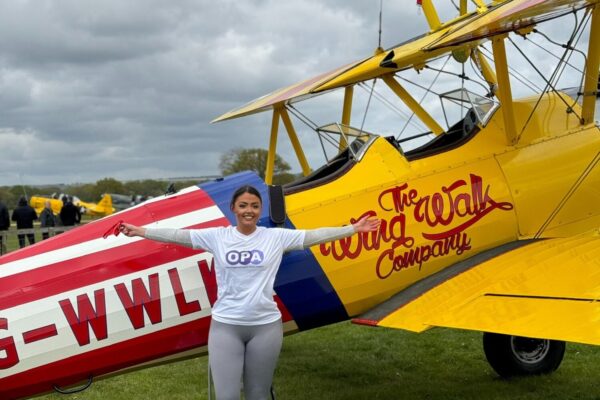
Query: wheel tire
[[512, 356]]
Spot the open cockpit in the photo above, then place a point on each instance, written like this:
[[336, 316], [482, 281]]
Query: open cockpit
[[471, 112]]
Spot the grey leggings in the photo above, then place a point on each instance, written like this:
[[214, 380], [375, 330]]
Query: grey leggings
[[251, 351]]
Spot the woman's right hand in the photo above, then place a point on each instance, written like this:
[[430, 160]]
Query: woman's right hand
[[131, 230]]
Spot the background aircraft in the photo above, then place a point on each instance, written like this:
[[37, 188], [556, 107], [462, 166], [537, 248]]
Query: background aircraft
[[123, 201], [102, 208], [39, 202], [489, 223]]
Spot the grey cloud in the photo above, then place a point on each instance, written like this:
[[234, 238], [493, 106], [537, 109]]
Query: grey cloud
[[127, 88]]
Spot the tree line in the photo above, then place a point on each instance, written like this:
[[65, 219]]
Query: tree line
[[233, 161]]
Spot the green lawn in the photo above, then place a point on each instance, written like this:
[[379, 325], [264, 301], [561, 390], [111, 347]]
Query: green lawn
[[345, 361], [13, 241]]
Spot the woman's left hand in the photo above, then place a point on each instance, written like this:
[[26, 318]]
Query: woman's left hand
[[366, 224]]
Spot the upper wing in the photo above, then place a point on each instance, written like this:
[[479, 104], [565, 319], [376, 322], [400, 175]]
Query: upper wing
[[414, 53], [297, 92], [508, 17], [546, 289]]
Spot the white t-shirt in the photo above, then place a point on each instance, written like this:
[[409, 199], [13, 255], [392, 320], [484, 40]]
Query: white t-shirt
[[245, 267]]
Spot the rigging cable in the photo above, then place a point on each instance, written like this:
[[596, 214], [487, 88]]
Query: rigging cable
[[305, 120], [514, 73], [573, 48], [389, 104], [427, 91], [548, 82], [462, 76], [589, 168], [462, 89], [587, 19], [368, 104], [550, 53]]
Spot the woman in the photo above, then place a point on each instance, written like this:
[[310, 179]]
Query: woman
[[246, 332]]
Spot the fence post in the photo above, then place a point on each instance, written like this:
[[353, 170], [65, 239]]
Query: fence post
[[52, 231]]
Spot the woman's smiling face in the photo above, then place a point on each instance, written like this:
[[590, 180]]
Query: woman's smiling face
[[247, 208]]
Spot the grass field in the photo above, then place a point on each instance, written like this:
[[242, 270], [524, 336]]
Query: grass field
[[13, 241], [345, 361]]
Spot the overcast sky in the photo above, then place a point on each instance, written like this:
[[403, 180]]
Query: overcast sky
[[127, 89]]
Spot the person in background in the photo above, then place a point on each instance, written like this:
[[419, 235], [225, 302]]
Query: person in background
[[4, 225], [47, 219], [24, 215], [69, 214]]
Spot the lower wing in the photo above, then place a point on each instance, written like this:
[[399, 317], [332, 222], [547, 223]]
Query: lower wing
[[546, 289]]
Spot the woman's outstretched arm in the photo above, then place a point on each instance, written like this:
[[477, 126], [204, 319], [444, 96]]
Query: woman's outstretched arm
[[167, 235], [322, 235]]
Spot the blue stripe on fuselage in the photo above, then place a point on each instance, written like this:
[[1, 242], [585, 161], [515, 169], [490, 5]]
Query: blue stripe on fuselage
[[301, 284]]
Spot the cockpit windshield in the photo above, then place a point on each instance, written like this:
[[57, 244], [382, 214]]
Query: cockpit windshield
[[483, 107], [336, 132], [468, 112]]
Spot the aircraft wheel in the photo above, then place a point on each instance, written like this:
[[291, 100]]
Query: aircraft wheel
[[513, 356]]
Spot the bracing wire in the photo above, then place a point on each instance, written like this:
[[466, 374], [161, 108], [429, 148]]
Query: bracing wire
[[303, 118], [462, 88], [551, 53], [362, 125], [586, 172], [462, 76], [389, 104], [514, 73], [308, 122], [578, 29], [587, 19], [548, 84], [427, 91]]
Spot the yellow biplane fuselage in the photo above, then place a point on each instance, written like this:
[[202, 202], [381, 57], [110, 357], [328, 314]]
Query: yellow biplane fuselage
[[439, 210]]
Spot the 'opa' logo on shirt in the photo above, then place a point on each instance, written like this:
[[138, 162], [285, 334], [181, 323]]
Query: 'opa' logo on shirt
[[254, 257]]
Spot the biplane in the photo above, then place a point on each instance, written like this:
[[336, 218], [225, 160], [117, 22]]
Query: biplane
[[489, 223], [101, 209], [39, 202]]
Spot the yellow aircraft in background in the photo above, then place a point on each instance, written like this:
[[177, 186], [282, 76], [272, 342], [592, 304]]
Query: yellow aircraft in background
[[490, 223], [101, 209], [39, 203]]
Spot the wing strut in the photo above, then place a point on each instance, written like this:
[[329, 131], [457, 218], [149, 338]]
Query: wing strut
[[412, 104], [279, 111], [346, 113], [486, 70], [592, 66], [504, 91], [431, 15]]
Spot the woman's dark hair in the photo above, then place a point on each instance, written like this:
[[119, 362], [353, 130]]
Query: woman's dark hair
[[241, 191]]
